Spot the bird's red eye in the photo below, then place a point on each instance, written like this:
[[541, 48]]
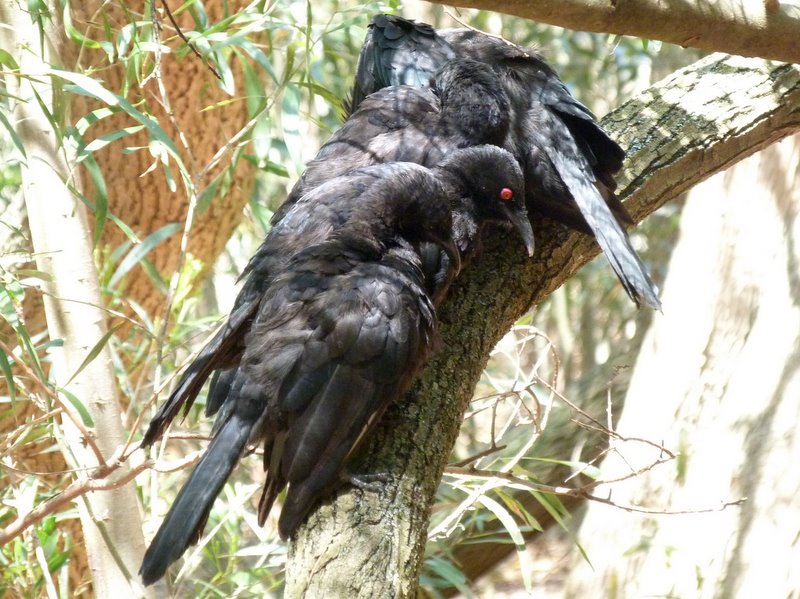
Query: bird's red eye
[[506, 194]]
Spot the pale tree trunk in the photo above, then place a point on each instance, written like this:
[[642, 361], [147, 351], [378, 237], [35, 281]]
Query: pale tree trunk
[[717, 381], [764, 28], [62, 241], [139, 198], [371, 545]]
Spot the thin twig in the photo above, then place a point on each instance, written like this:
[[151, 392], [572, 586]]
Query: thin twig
[[188, 43], [54, 395], [478, 456], [581, 492], [84, 485]]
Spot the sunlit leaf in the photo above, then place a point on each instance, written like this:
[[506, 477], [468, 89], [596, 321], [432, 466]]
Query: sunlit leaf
[[141, 250], [5, 366], [290, 123], [98, 347], [525, 564], [76, 403]]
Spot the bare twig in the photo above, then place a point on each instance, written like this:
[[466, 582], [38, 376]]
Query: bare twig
[[54, 395], [86, 484], [581, 492], [185, 39]]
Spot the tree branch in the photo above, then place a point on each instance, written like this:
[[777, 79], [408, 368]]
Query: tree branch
[[744, 27], [698, 121]]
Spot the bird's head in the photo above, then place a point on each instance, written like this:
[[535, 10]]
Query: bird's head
[[491, 182]]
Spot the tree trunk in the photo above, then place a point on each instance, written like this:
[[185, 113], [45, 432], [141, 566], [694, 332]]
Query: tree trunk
[[718, 381], [725, 109]]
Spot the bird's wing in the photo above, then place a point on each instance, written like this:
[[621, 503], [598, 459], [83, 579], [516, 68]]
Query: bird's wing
[[366, 330], [559, 167], [570, 162], [397, 51], [222, 351]]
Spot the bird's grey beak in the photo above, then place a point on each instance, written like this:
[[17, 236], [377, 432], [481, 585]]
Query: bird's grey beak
[[520, 222], [451, 249]]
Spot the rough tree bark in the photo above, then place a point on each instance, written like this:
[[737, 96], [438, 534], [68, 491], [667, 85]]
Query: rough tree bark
[[142, 199], [718, 380], [696, 122], [765, 28]]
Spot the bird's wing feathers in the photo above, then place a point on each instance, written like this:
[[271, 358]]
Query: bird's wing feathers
[[397, 51], [223, 350], [362, 333]]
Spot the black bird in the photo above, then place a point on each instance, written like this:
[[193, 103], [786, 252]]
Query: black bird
[[484, 183], [324, 338], [464, 106], [568, 160]]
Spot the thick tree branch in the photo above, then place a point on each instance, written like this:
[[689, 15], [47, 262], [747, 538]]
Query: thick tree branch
[[746, 27], [698, 121]]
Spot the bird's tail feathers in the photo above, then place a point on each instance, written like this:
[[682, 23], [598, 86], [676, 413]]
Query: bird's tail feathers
[[184, 523], [610, 235]]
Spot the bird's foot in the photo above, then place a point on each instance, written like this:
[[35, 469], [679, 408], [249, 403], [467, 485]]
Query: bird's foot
[[367, 482]]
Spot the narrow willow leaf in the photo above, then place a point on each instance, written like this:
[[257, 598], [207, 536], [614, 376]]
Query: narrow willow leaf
[[290, 123], [5, 366], [141, 250], [13, 134], [86, 417], [94, 351], [507, 520]]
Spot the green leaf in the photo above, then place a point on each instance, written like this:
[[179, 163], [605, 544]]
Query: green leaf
[[8, 60], [74, 34], [81, 84], [13, 134], [508, 522], [141, 250], [100, 207], [34, 274], [5, 366], [86, 418], [94, 351], [102, 141], [290, 123]]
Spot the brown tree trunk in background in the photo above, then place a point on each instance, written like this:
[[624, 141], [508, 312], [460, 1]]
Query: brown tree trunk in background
[[718, 381], [144, 201]]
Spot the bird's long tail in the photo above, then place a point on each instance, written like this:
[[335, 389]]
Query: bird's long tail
[[610, 235], [184, 523]]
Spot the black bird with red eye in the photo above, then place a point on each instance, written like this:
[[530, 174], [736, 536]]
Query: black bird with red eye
[[569, 161], [334, 320]]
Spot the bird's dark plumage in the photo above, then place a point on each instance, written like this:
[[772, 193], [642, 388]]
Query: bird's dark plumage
[[568, 160], [334, 319], [465, 106]]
